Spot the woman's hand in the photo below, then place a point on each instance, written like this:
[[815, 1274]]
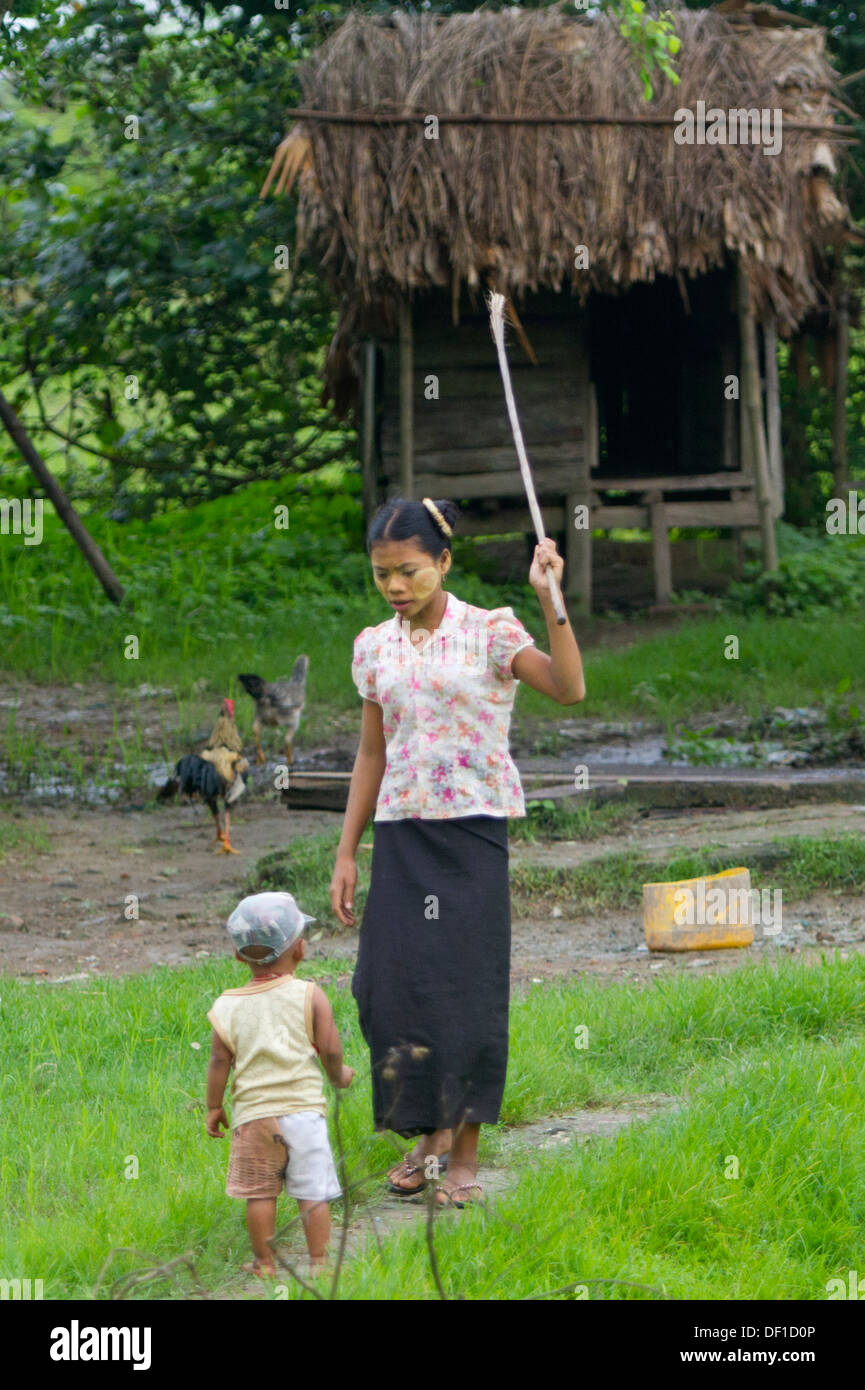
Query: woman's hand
[[545, 555], [342, 888]]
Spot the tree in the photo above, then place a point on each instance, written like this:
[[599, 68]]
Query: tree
[[150, 315]]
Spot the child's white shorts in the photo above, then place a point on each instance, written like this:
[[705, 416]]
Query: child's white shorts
[[286, 1150]]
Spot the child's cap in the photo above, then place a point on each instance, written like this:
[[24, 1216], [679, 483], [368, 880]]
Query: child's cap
[[266, 919]]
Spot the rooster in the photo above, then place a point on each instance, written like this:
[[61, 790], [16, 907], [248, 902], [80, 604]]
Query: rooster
[[278, 703], [217, 772]]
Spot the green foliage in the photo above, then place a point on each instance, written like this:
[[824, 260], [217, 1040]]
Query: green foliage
[[154, 301], [815, 575], [653, 40]]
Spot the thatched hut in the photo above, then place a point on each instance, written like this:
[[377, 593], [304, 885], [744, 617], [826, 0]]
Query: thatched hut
[[652, 253]]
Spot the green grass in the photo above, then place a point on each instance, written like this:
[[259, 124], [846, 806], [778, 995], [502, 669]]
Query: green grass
[[798, 865], [768, 1061], [218, 589], [684, 674], [24, 841], [653, 1214], [550, 820]]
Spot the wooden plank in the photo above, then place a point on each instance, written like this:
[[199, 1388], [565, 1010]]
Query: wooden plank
[[605, 518], [406, 401], [483, 383], [467, 348], [690, 482], [511, 519], [438, 429], [720, 514], [552, 481], [609, 518], [456, 462], [712, 513]]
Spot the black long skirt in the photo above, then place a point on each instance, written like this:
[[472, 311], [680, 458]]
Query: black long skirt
[[432, 980]]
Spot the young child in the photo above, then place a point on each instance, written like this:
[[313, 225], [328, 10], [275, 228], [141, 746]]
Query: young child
[[270, 1030]]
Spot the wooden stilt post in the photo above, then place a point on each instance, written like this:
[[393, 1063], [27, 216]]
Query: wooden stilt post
[[773, 414], [661, 556], [63, 507], [578, 539], [406, 399], [749, 391], [367, 444], [578, 546], [839, 423]]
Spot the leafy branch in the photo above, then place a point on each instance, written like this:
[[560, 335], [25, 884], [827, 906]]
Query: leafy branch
[[653, 40]]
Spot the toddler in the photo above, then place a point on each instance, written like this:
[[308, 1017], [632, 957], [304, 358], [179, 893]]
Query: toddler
[[270, 1030]]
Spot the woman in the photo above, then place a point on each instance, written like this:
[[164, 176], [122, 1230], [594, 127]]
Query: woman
[[432, 979]]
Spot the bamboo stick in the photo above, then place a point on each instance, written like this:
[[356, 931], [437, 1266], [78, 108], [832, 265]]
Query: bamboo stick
[[406, 399], [839, 422], [750, 404], [551, 118], [497, 325]]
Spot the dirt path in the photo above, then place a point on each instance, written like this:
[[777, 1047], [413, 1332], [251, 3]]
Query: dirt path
[[379, 1213], [62, 909]]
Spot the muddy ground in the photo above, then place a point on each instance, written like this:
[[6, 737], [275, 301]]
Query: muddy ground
[[62, 909]]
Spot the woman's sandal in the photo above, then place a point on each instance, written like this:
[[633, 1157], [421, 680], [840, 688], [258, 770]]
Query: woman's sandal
[[407, 1169], [450, 1200]]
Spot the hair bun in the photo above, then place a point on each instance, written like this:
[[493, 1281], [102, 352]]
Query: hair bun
[[449, 510]]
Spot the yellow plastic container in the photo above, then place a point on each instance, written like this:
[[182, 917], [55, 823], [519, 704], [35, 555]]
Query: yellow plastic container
[[699, 914]]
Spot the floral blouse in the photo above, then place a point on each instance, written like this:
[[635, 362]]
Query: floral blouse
[[446, 706]]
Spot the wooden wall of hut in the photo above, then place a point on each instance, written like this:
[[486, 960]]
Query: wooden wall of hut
[[622, 404], [462, 442]]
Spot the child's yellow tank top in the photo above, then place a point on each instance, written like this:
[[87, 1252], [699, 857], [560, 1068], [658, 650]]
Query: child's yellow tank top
[[268, 1028]]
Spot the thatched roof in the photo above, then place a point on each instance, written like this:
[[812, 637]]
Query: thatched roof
[[385, 209]]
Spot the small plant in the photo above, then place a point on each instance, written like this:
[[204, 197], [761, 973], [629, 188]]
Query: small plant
[[703, 748], [653, 40]]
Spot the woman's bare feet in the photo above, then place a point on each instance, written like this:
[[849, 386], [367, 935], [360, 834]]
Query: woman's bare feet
[[410, 1175]]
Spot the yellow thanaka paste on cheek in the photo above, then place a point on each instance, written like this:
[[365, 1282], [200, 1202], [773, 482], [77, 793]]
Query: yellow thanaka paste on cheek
[[425, 582]]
